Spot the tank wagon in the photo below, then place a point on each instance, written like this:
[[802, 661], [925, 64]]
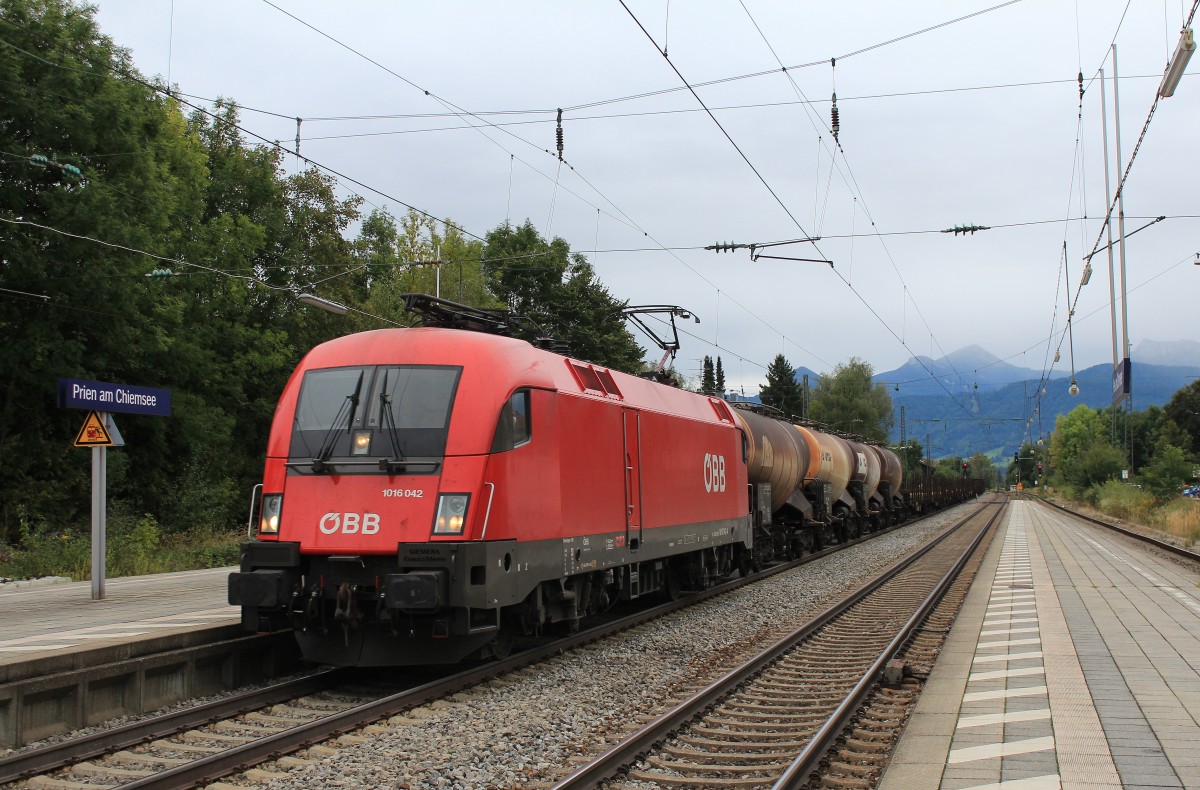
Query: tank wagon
[[429, 494]]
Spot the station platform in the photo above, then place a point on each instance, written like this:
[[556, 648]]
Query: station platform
[[1074, 663], [58, 627]]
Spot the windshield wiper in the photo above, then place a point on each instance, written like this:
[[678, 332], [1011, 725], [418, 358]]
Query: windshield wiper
[[388, 420], [349, 407]]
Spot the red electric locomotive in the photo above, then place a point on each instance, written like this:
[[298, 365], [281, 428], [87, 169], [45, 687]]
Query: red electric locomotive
[[430, 493]]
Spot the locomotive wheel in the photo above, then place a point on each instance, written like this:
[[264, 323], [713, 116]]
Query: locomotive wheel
[[506, 637], [743, 561], [673, 588]]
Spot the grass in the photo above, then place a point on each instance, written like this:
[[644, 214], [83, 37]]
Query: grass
[[1181, 518], [134, 546]]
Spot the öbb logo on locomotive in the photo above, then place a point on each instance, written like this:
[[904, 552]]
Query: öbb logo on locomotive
[[350, 523], [714, 473]]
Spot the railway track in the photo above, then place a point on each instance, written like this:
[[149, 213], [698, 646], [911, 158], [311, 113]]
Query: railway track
[[774, 719], [200, 745]]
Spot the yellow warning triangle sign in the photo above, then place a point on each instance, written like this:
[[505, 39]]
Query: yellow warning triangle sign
[[93, 433]]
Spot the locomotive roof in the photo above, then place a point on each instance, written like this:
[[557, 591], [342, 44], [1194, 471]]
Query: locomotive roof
[[493, 367]]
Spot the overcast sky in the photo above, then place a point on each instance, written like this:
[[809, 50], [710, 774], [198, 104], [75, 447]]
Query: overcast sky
[[972, 123]]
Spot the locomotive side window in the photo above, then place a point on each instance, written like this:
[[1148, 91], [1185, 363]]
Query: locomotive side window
[[513, 429]]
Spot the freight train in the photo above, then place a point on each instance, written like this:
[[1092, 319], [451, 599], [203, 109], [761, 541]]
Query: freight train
[[430, 494]]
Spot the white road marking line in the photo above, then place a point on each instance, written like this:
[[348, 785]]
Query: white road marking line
[[979, 696], [1006, 673], [987, 719], [1047, 782], [1006, 749], [1008, 657], [998, 631]]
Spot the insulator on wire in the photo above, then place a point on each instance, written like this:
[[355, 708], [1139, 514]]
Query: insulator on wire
[[558, 135], [835, 124], [1081, 86]]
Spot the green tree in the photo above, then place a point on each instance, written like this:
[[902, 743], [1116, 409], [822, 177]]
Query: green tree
[[948, 467], [1080, 452], [1140, 431], [230, 354], [1165, 475], [137, 185], [708, 380], [411, 256], [558, 291], [719, 374], [982, 468], [188, 188], [781, 390], [911, 453], [1181, 426], [847, 400]]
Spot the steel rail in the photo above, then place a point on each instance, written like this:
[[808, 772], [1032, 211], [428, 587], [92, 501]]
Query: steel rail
[[641, 740], [48, 758], [798, 774], [1153, 541]]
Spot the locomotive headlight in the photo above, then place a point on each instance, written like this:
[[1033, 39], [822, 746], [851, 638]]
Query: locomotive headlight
[[272, 506], [451, 514], [362, 442]]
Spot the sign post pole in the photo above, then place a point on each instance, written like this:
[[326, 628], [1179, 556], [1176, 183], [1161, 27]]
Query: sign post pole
[[99, 517]]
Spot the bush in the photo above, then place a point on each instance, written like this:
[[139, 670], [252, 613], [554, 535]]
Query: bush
[[134, 546], [1123, 501], [42, 550], [131, 548]]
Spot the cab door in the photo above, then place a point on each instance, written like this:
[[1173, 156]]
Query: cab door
[[633, 478]]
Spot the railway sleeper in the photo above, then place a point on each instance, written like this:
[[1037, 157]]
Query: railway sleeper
[[250, 729], [216, 737], [696, 770], [866, 748], [54, 783], [683, 781], [735, 732], [92, 769], [700, 757], [796, 723], [785, 742], [802, 683], [187, 748], [807, 696], [143, 758]]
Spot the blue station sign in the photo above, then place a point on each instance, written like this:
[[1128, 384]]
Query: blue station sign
[[102, 396]]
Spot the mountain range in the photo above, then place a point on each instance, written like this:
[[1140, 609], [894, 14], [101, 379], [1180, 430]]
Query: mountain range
[[971, 401]]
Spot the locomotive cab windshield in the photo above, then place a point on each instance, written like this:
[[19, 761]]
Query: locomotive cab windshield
[[373, 418]]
